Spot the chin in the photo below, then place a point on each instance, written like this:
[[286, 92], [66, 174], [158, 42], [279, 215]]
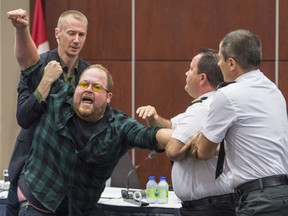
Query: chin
[[85, 113]]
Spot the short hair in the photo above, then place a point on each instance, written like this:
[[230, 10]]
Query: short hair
[[75, 14], [208, 64], [110, 83], [244, 47]]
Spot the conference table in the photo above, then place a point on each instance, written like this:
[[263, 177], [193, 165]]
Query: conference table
[[112, 204]]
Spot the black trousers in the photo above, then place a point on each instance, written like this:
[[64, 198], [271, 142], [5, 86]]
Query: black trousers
[[270, 201], [12, 203], [211, 206]]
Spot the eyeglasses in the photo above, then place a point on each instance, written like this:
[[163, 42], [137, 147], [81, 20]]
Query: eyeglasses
[[97, 87]]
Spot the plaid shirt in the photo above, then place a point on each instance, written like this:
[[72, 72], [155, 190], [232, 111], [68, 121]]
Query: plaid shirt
[[55, 168]]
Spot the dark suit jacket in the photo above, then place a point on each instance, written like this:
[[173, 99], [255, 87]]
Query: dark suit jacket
[[28, 112]]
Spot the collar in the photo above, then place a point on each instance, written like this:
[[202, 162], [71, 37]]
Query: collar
[[223, 84], [198, 100], [65, 68]]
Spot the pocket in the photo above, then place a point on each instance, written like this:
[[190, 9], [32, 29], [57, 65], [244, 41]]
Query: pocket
[[244, 208]]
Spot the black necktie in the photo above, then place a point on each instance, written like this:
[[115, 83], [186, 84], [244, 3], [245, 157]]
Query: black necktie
[[221, 155], [220, 161]]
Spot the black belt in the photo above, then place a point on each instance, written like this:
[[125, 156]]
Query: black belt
[[210, 200], [261, 183], [26, 204]]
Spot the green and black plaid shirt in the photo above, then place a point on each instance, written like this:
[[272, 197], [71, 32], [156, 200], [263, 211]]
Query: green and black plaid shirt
[[55, 169]]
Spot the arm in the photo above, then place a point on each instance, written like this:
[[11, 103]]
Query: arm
[[200, 147], [173, 150], [30, 107], [25, 49], [163, 135], [153, 119]]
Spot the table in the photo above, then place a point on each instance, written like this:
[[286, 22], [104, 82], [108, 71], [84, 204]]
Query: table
[[112, 203]]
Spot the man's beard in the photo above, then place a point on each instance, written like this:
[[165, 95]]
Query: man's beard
[[90, 114]]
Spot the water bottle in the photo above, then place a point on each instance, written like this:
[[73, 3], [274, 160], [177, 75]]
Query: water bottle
[[163, 191], [151, 190]]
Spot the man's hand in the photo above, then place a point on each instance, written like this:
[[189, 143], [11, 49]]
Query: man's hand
[[148, 111], [52, 72], [19, 18], [200, 147], [150, 114], [191, 147], [25, 49]]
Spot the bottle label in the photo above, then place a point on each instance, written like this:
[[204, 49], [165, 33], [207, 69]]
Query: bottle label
[[151, 193], [163, 194]]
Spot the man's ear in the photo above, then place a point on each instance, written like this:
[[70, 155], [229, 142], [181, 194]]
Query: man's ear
[[203, 79], [232, 64], [57, 34], [109, 97]]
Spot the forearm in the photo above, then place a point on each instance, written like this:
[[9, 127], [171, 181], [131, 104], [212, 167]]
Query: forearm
[[44, 89], [159, 122], [28, 109], [25, 49], [173, 150], [163, 135], [205, 148], [52, 72]]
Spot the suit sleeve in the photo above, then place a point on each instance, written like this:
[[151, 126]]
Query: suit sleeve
[[29, 109]]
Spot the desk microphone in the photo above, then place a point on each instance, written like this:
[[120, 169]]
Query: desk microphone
[[150, 156], [135, 197]]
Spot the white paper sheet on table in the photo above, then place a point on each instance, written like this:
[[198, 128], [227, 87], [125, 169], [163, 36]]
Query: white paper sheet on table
[[112, 196]]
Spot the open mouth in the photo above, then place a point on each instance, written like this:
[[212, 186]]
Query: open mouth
[[75, 48], [87, 100]]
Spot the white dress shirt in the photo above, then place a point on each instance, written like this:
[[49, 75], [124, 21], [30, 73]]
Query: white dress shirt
[[195, 179], [251, 115]]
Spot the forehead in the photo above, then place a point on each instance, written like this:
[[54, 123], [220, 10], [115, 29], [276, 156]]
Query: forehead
[[220, 46], [70, 22], [94, 75], [195, 60]]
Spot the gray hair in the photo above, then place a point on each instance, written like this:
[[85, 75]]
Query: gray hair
[[244, 47]]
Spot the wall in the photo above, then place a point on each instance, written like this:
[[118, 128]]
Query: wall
[[9, 76]]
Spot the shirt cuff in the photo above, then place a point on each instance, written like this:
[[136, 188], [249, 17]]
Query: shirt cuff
[[38, 96]]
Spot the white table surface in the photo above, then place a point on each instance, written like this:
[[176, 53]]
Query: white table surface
[[112, 196]]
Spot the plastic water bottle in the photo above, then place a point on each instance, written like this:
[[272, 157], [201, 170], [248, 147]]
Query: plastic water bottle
[[163, 191], [151, 190]]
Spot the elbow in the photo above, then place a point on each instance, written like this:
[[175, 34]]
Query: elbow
[[22, 122], [170, 156], [173, 150]]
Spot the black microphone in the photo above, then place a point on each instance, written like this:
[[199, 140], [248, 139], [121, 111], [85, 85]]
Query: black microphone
[[150, 156], [127, 195]]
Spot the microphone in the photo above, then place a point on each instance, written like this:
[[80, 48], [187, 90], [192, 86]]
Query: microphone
[[132, 196], [150, 156]]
